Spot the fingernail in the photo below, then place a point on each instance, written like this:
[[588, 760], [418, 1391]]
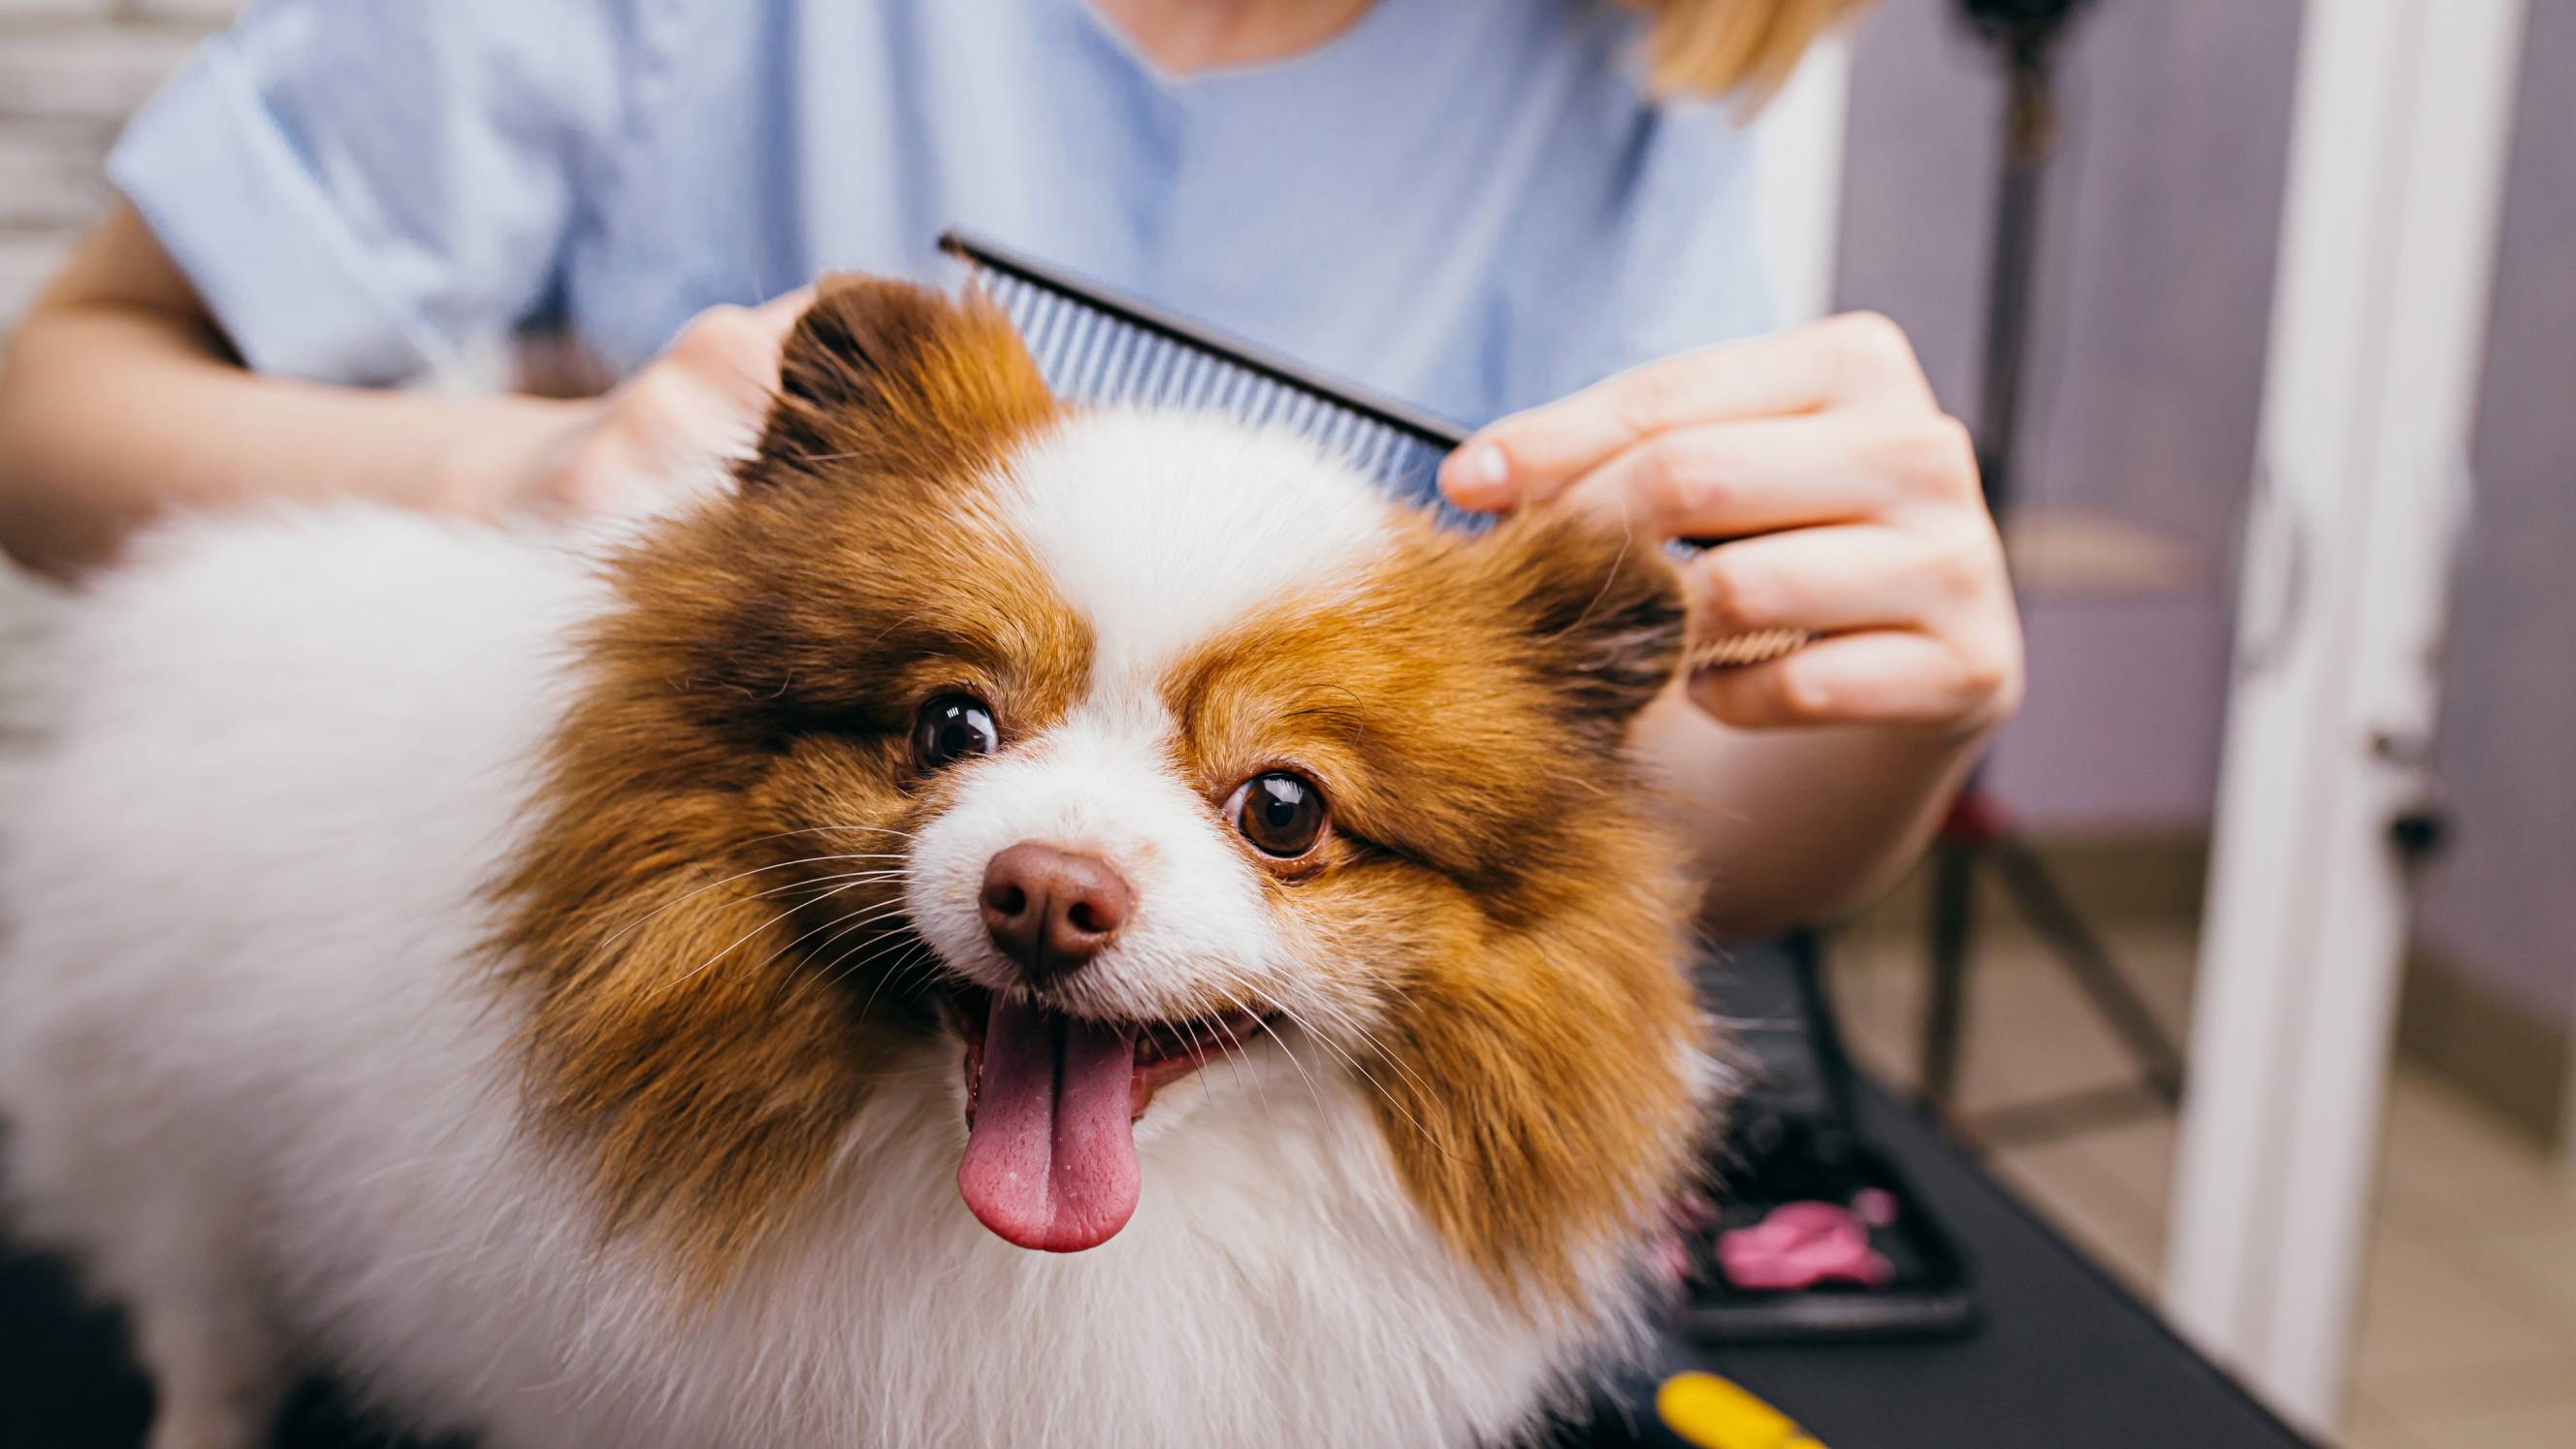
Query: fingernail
[[1477, 473]]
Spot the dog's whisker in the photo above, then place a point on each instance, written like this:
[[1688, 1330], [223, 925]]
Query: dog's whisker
[[854, 876], [840, 925], [903, 963], [852, 924], [1312, 1091], [737, 942], [621, 931], [918, 961], [841, 966], [827, 829], [1381, 1053], [1206, 1093], [855, 918], [1374, 1084], [1344, 1019], [1235, 1059]]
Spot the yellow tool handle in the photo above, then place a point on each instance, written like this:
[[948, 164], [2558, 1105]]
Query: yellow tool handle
[[1715, 1413]]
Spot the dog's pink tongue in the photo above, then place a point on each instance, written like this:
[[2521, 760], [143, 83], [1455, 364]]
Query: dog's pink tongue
[[1051, 1153]]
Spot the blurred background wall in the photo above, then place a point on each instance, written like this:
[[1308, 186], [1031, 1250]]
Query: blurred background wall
[[69, 71]]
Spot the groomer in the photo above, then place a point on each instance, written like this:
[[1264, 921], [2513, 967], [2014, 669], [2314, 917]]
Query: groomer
[[1533, 210]]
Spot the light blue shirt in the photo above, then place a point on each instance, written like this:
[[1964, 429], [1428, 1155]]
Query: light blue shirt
[[1471, 204]]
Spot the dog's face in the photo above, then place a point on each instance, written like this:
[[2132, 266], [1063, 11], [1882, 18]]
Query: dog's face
[[1087, 748]]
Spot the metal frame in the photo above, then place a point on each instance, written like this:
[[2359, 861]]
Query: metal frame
[[2398, 145]]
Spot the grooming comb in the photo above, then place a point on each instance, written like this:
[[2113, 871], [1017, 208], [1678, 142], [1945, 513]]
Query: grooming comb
[[1095, 345]]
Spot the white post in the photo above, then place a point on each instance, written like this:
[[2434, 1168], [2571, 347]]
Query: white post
[[2379, 322], [1800, 179]]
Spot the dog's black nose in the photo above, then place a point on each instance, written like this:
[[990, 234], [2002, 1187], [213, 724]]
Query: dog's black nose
[[1051, 910]]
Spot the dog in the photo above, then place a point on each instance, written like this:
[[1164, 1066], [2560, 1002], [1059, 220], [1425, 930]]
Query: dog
[[1008, 923]]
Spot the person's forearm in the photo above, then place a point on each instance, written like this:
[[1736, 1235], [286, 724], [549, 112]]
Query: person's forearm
[[110, 414], [1795, 826], [118, 400]]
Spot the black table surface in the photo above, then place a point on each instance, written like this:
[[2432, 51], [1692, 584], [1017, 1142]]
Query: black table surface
[[2066, 1358]]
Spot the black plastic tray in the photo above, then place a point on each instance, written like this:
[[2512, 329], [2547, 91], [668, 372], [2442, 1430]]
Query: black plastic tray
[[1793, 1139]]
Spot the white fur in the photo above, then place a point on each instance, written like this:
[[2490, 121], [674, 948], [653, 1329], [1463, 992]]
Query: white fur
[[254, 1079], [1160, 530]]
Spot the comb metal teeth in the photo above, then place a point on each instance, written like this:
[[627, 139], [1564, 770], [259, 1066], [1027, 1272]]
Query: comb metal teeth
[[1090, 354]]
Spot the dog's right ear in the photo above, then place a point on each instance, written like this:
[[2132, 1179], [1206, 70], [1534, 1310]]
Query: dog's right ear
[[881, 376], [1596, 606]]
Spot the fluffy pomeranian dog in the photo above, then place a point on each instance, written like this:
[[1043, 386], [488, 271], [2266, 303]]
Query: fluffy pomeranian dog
[[1006, 924]]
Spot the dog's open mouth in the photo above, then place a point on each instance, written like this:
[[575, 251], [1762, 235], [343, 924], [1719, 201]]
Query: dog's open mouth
[[1051, 1105]]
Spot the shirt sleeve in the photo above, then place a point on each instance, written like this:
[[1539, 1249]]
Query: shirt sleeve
[[366, 191]]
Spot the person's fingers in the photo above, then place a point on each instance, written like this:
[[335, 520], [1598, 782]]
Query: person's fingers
[[733, 351], [1830, 580], [1856, 358], [1880, 676], [780, 312], [1727, 480], [772, 320]]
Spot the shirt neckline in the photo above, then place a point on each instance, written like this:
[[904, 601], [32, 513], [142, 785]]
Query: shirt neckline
[[1360, 36]]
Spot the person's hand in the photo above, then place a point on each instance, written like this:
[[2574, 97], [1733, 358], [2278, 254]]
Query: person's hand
[[663, 432], [1851, 501]]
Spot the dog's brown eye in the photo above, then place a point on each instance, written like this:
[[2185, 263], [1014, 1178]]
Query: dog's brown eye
[[952, 727], [1281, 814]]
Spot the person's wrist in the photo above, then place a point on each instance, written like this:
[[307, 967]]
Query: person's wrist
[[499, 451]]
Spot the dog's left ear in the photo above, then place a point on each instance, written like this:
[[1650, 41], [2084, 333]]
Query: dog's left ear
[[880, 376], [1599, 609]]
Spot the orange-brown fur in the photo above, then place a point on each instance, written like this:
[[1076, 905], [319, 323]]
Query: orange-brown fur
[[1493, 873]]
